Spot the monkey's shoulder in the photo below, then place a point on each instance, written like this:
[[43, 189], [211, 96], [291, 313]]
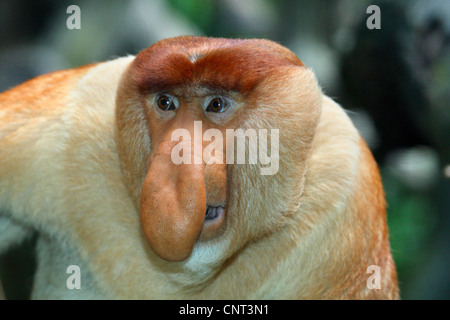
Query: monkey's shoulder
[[42, 91]]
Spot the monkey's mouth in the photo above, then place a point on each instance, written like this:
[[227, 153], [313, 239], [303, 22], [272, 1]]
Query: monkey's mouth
[[213, 213], [215, 222]]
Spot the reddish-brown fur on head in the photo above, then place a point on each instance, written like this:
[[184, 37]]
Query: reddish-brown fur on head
[[227, 64]]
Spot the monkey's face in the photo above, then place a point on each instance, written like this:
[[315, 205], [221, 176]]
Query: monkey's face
[[180, 107], [184, 194]]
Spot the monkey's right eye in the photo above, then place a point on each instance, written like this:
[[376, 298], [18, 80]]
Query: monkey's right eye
[[165, 103]]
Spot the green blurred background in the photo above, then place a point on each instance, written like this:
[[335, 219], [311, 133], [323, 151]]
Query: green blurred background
[[394, 82]]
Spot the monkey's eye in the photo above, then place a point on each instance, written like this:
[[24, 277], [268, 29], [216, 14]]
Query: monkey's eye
[[217, 105], [165, 103]]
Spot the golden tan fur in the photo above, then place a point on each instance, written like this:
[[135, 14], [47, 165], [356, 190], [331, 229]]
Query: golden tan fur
[[72, 168]]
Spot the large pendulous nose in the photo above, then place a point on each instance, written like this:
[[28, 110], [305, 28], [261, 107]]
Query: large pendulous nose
[[173, 204]]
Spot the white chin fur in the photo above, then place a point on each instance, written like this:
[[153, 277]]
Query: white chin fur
[[205, 257]]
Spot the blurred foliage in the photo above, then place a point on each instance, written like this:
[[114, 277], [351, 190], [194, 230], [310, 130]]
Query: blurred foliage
[[412, 220], [199, 12]]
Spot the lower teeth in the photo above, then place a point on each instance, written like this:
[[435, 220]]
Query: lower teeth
[[211, 213]]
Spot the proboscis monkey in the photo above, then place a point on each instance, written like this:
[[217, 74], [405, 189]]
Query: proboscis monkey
[[87, 161]]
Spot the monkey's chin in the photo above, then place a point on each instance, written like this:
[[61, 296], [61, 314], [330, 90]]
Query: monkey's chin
[[214, 224]]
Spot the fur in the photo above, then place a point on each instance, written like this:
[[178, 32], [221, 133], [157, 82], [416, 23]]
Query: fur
[[74, 150]]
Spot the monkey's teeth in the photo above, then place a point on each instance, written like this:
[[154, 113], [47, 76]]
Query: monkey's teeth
[[213, 212]]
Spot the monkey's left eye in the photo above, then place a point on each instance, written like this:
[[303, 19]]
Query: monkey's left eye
[[217, 105], [165, 103]]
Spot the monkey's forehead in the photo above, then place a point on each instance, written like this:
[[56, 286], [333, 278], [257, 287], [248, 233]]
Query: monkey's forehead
[[228, 64]]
